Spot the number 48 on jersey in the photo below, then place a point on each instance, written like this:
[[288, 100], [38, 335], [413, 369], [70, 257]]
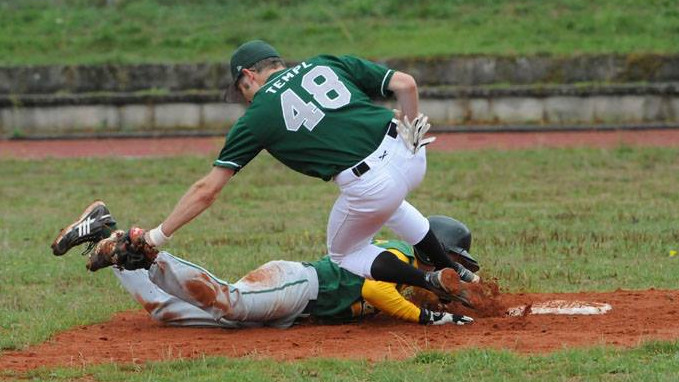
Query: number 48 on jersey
[[327, 91]]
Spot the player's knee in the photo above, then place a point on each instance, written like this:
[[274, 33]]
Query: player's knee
[[161, 313]]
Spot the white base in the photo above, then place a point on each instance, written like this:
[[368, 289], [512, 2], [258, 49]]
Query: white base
[[562, 307]]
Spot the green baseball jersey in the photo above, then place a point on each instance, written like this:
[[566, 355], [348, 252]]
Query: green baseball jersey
[[339, 289], [317, 118]]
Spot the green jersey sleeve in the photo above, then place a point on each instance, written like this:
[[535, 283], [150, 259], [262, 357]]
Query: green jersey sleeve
[[240, 148], [371, 77]]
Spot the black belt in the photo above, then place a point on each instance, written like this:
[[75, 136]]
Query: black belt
[[363, 167]]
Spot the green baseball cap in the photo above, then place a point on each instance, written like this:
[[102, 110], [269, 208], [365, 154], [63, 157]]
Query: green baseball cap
[[249, 54]]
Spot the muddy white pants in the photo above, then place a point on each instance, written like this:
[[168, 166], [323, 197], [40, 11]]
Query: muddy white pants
[[376, 198], [180, 293]]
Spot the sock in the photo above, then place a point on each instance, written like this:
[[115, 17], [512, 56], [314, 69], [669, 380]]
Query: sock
[[388, 267], [432, 247]]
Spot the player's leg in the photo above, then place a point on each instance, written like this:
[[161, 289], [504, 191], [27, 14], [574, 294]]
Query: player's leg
[[274, 294], [365, 204], [413, 227], [277, 293], [387, 267], [359, 212], [368, 200], [373, 262], [192, 284], [162, 306], [96, 223], [409, 223]]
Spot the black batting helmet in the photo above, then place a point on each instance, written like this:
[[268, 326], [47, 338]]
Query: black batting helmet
[[455, 238]]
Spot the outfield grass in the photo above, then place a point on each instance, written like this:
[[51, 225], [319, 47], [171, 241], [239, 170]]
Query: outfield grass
[[127, 31], [651, 362], [547, 220]]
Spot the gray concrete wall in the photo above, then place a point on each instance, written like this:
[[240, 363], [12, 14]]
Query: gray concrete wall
[[456, 71], [452, 107], [484, 70], [470, 91], [121, 119], [554, 111]]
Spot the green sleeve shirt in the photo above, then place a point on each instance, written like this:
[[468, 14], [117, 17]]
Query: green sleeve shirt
[[317, 118]]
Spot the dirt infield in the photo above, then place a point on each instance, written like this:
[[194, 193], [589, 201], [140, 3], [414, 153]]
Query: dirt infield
[[132, 337], [134, 147]]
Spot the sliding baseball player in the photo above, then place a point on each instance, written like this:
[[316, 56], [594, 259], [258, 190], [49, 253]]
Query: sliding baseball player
[[277, 294]]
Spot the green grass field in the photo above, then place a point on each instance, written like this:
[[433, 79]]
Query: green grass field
[[651, 362], [41, 32], [547, 220]]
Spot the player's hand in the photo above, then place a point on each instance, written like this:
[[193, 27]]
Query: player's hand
[[124, 250], [428, 317]]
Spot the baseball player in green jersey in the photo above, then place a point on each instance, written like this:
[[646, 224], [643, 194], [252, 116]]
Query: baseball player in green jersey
[[177, 292], [318, 118]]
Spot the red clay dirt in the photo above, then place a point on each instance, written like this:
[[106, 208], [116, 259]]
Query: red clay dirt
[[132, 337], [138, 147]]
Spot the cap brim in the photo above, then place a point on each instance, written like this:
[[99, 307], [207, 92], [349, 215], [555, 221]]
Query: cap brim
[[463, 257], [232, 95]]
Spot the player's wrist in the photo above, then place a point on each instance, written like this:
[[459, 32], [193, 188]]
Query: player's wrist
[[157, 237]]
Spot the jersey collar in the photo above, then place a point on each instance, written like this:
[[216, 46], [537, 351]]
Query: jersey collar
[[271, 78]]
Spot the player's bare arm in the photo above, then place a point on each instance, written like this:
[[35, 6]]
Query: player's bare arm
[[405, 89], [197, 199]]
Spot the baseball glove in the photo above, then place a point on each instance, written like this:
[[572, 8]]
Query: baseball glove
[[124, 250]]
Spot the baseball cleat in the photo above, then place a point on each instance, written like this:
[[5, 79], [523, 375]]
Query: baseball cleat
[[447, 286], [95, 223]]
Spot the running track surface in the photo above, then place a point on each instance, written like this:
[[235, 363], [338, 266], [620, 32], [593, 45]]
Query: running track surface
[[210, 146]]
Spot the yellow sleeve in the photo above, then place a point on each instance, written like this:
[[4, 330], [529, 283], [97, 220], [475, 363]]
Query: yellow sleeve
[[385, 297]]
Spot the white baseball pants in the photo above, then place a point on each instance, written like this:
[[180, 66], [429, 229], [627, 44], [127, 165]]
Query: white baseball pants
[[176, 292], [372, 200]]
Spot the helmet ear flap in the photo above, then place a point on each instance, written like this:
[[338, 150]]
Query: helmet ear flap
[[422, 258]]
